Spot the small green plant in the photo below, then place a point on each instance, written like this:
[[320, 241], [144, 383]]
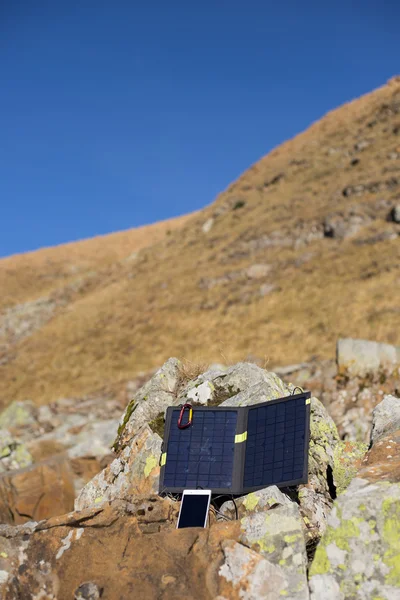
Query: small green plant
[[239, 204]]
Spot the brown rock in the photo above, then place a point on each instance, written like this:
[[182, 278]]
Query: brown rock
[[37, 492], [107, 552], [382, 462]]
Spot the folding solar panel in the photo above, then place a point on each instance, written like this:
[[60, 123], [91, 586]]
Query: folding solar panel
[[237, 450]]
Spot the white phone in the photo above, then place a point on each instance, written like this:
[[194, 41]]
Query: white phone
[[194, 508]]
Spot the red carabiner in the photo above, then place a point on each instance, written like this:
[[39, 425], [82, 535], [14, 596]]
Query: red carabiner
[[189, 422]]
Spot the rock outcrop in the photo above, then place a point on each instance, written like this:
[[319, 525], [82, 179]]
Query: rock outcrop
[[333, 538], [359, 556]]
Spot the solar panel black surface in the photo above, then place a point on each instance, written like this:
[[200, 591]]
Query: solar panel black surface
[[276, 444], [237, 450], [201, 455]]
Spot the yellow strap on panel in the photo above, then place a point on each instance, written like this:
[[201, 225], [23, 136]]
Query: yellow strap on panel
[[240, 437], [308, 401], [163, 458]]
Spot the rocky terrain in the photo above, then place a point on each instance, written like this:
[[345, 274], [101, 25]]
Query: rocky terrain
[[81, 520], [298, 259]]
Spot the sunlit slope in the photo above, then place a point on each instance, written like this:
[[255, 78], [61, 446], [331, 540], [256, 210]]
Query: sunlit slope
[[298, 251]]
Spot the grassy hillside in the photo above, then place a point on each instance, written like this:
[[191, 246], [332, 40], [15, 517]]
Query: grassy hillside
[[298, 251]]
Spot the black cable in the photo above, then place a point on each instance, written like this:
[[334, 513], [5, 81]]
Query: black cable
[[297, 388], [236, 510], [234, 504]]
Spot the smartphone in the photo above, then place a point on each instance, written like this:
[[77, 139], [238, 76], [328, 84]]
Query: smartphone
[[194, 508]]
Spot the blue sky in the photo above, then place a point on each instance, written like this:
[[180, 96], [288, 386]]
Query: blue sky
[[119, 113]]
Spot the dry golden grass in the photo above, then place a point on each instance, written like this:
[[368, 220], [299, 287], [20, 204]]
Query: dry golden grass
[[25, 277], [133, 315], [187, 371]]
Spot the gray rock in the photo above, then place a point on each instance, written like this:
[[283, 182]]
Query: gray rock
[[261, 500], [21, 320], [385, 417], [359, 357], [315, 498], [94, 440], [149, 402], [18, 415], [359, 555], [245, 574], [258, 271], [246, 383], [88, 591], [13, 453], [266, 289], [239, 385], [207, 225], [395, 213], [135, 471], [341, 227], [200, 394], [278, 536]]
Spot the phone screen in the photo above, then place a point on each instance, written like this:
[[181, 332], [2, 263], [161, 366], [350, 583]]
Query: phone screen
[[193, 510]]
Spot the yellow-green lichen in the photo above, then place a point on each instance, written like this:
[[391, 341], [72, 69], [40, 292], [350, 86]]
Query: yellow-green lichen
[[290, 539], [3, 554], [264, 547], [372, 524], [391, 536], [157, 424], [320, 564], [322, 430], [346, 457], [128, 413], [341, 534], [251, 501], [151, 463], [5, 451], [22, 456]]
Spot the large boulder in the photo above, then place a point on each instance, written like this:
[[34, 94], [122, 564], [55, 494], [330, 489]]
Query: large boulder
[[359, 357], [241, 384], [317, 495], [347, 458], [149, 402], [385, 417], [382, 461], [259, 501], [40, 491], [132, 549], [277, 534], [359, 554], [135, 471]]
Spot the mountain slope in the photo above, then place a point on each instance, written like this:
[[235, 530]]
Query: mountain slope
[[298, 251]]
